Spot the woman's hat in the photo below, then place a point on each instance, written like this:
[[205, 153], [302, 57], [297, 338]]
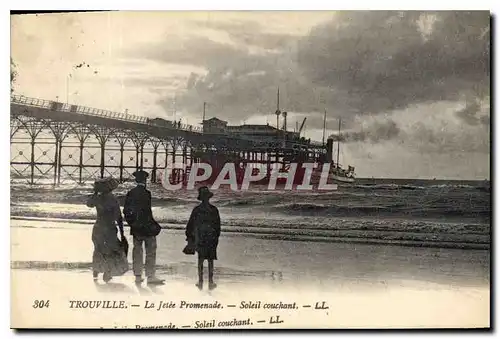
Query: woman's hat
[[140, 175], [105, 185], [204, 192]]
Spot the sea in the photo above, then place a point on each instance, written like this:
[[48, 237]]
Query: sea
[[400, 212]]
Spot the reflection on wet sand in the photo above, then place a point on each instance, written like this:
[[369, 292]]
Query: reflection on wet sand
[[345, 263], [366, 286]]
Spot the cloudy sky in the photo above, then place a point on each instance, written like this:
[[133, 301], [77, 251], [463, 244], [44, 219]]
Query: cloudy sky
[[412, 88]]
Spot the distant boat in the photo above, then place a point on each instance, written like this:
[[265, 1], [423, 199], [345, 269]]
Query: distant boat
[[337, 172], [343, 176]]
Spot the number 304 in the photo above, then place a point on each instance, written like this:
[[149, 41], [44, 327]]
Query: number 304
[[41, 304]]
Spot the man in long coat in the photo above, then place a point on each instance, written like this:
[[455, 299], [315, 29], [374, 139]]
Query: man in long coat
[[143, 228]]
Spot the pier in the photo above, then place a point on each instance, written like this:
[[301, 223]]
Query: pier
[[54, 143]]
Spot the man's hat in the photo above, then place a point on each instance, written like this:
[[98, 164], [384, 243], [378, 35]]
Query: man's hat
[[140, 175], [105, 185], [204, 192]]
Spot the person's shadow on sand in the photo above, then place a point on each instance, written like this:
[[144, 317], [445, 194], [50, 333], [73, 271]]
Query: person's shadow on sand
[[113, 287]]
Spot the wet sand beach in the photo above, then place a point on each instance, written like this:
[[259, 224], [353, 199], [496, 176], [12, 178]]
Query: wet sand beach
[[368, 286]]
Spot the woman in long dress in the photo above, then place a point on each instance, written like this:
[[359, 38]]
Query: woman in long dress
[[202, 232], [109, 256]]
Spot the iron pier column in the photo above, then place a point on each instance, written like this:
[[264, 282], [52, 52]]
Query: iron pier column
[[32, 161], [103, 150], [155, 153], [81, 162]]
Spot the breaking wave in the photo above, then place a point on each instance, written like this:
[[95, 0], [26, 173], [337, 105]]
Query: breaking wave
[[412, 213], [396, 210]]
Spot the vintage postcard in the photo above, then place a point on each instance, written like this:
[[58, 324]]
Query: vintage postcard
[[250, 170]]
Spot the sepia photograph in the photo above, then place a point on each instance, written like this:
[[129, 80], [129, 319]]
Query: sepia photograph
[[245, 170]]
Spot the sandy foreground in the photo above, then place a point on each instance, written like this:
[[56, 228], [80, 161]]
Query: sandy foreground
[[298, 285]]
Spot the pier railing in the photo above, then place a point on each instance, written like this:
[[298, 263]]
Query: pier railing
[[97, 112]]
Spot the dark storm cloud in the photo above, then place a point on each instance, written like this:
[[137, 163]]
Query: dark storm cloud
[[358, 63], [239, 82], [390, 61], [469, 140]]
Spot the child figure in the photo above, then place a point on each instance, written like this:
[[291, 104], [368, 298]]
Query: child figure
[[203, 231]]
